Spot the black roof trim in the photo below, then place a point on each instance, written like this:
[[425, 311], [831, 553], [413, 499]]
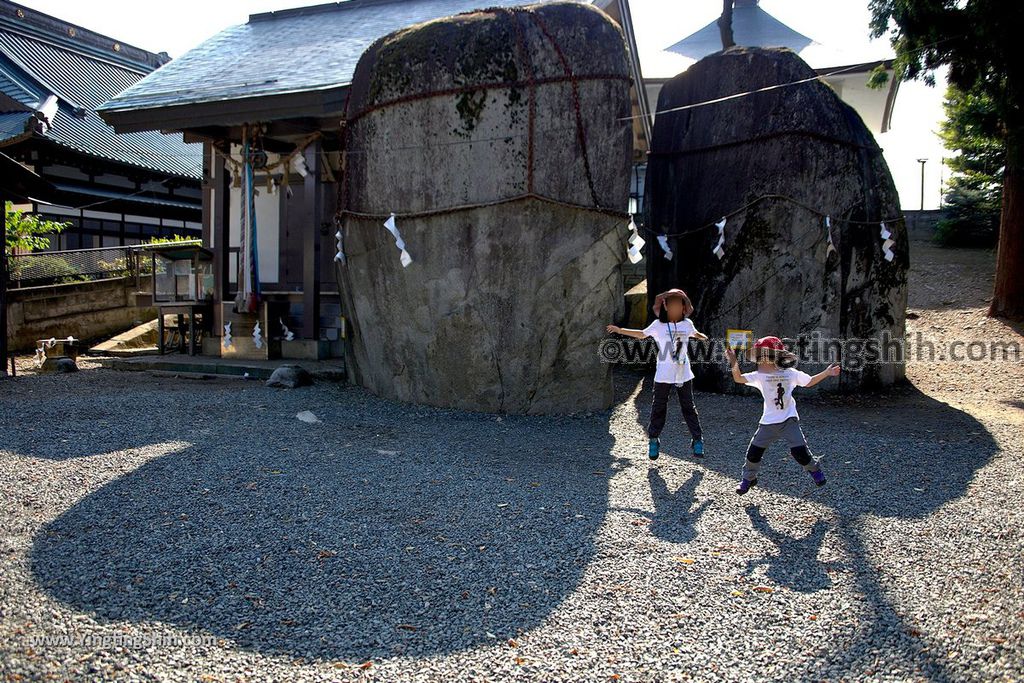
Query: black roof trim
[[303, 104], [54, 30]]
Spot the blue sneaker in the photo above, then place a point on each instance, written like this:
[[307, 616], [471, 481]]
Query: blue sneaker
[[652, 449], [745, 485], [698, 447], [819, 477]]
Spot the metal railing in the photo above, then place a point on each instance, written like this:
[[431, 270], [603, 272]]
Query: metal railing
[[74, 265]]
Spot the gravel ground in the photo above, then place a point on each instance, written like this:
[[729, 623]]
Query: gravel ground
[[390, 542]]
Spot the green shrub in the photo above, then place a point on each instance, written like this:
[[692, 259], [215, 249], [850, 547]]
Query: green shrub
[[972, 217]]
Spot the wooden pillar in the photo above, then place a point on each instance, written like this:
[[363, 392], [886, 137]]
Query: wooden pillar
[[216, 189], [312, 218], [3, 292]]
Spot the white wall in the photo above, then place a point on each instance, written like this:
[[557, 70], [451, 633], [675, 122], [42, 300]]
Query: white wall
[[268, 230], [914, 135]]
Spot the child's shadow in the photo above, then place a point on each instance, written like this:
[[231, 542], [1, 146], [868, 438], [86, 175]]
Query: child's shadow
[[796, 564], [674, 518]]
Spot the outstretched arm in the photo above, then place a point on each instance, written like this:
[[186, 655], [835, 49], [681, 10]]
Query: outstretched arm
[[699, 335], [636, 334], [737, 376], [830, 371]]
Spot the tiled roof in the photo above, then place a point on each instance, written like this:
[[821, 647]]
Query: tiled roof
[[40, 57], [297, 50]]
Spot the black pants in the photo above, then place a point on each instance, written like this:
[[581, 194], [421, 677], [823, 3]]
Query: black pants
[[660, 406]]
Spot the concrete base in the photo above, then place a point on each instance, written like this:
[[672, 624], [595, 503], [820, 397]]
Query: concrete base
[[297, 349]]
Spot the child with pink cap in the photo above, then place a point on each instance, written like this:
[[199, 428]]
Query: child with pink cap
[[776, 378]]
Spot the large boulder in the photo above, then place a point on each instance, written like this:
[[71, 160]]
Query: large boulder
[[499, 139], [795, 154]]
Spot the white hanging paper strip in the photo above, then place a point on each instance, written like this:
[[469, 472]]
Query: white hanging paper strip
[[406, 259], [257, 335], [718, 250], [663, 241], [298, 164], [828, 234], [288, 334], [340, 256], [227, 335], [636, 243], [887, 243], [634, 254]]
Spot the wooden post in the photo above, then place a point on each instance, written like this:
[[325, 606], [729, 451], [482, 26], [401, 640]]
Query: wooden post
[[3, 293], [216, 195], [160, 330], [312, 217]]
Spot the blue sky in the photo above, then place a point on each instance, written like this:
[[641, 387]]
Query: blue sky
[[838, 27]]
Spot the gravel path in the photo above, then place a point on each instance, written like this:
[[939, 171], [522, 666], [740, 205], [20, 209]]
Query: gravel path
[[390, 542]]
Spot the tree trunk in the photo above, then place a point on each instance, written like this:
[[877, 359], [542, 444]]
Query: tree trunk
[[725, 24], [1008, 294]]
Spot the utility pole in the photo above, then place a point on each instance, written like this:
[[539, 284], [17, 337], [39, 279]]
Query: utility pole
[[922, 162], [942, 183]]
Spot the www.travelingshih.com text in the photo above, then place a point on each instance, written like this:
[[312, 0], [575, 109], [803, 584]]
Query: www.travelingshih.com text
[[853, 354]]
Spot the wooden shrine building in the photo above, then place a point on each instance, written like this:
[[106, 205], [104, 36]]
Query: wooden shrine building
[[277, 84], [113, 189]]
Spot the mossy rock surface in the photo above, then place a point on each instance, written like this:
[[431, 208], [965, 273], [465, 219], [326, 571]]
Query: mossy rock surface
[[801, 141], [503, 306]]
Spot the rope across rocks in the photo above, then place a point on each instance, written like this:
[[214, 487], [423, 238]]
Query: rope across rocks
[[530, 83]]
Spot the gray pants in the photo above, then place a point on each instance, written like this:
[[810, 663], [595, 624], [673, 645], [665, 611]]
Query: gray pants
[[766, 435]]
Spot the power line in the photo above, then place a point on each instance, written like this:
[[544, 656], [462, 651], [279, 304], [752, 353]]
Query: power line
[[776, 86]]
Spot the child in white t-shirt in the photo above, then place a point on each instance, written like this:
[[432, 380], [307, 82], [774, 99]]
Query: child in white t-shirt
[[671, 332], [776, 378]]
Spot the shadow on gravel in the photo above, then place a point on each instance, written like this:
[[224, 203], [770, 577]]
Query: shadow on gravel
[[796, 563], [386, 530], [1013, 403], [898, 454], [675, 515], [53, 419]]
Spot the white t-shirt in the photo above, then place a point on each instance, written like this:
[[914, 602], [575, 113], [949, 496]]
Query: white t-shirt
[[777, 389], [673, 340]]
